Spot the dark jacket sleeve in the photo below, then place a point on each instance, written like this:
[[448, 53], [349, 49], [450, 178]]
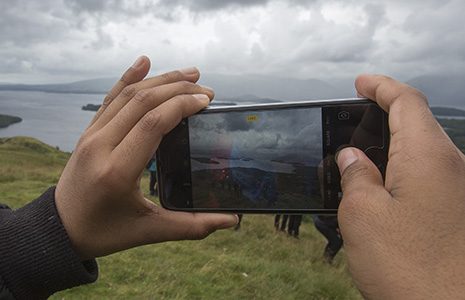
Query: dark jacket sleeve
[[36, 256]]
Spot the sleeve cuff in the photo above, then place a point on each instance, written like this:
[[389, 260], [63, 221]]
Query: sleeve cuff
[[36, 256]]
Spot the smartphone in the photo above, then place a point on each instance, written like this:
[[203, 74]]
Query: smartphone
[[267, 158]]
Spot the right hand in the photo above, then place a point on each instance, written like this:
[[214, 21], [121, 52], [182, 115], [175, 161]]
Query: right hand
[[405, 237]]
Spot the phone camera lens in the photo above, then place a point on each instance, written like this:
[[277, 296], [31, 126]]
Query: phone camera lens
[[343, 115]]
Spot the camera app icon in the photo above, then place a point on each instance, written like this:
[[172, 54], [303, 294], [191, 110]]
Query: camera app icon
[[343, 115]]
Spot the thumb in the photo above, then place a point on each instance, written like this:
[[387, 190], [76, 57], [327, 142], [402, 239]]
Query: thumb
[[358, 173], [364, 195]]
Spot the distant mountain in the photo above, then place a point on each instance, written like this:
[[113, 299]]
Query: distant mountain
[[269, 87], [441, 90], [92, 86], [228, 88]]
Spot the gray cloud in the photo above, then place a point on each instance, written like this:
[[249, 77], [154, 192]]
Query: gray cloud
[[65, 40], [284, 134]]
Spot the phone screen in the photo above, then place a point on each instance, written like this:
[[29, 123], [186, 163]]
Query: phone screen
[[257, 159], [273, 159]]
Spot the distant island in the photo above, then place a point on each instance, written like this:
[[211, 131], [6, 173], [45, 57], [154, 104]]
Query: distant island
[[6, 120], [205, 160], [91, 107]]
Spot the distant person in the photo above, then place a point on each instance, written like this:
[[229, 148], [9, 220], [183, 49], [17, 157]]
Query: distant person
[[152, 168], [329, 228], [238, 225], [277, 219], [404, 237], [294, 225]]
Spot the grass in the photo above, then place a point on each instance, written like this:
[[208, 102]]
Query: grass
[[253, 263]]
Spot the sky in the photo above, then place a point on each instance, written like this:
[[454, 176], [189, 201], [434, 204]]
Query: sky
[[51, 41]]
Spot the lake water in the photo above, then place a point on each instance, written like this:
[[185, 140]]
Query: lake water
[[261, 164], [56, 119]]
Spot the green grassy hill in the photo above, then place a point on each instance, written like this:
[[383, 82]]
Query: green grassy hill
[[253, 263]]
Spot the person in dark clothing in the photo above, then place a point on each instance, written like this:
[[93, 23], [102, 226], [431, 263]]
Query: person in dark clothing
[[36, 255], [283, 224], [328, 226], [152, 168], [294, 225]]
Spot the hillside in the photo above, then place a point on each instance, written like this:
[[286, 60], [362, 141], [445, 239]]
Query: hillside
[[456, 130], [253, 263]]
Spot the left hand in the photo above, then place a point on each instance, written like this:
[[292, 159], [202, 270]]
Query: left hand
[[98, 196]]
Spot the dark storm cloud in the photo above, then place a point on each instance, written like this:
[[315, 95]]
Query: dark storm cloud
[[208, 5]]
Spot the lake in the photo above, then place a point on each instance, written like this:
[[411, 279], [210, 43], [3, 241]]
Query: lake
[[56, 119]]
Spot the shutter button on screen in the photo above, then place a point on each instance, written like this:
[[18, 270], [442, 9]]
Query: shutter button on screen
[[343, 115]]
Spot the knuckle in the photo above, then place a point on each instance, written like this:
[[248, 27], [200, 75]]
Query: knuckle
[[150, 121], [85, 147], [141, 96], [350, 204], [129, 91], [106, 177], [353, 173], [187, 85], [415, 92], [107, 100], [125, 78], [172, 76]]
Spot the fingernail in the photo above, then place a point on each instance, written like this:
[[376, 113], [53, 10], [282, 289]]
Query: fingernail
[[345, 158], [189, 71], [209, 90], [233, 221], [138, 62], [203, 98]]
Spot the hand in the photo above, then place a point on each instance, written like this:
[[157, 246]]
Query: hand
[[98, 196], [405, 237]]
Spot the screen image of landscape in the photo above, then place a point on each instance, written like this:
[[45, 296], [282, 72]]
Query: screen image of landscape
[[260, 160]]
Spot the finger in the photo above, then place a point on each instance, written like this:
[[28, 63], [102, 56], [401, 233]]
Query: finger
[[135, 73], [361, 181], [128, 92], [362, 186], [143, 139], [172, 225], [143, 102], [407, 107]]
